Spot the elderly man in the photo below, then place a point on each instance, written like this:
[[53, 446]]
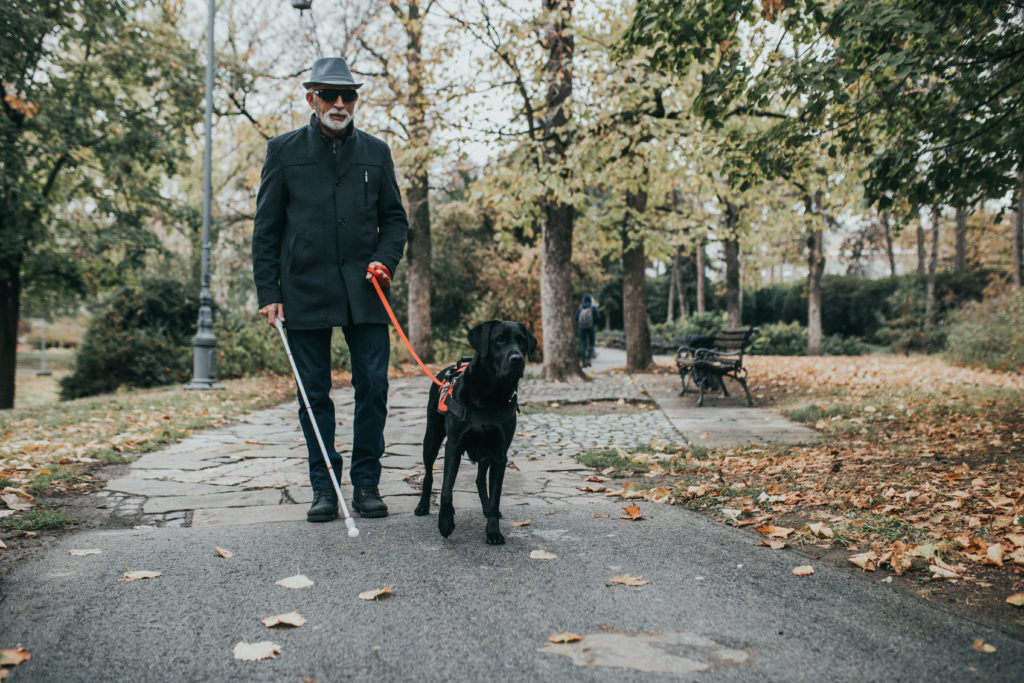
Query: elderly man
[[328, 209]]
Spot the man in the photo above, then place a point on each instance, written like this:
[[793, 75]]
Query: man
[[328, 208], [588, 317]]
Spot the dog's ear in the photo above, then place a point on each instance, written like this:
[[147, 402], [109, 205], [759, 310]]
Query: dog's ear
[[531, 341], [480, 336]]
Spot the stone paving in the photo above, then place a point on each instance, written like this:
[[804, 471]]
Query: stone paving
[[255, 471]]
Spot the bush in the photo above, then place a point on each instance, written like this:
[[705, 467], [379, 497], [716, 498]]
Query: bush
[[989, 333], [696, 323], [141, 340], [838, 345], [780, 339]]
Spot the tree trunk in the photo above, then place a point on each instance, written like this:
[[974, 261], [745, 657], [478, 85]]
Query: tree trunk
[[700, 277], [680, 289], [418, 247], [561, 355], [815, 270], [672, 280], [634, 290], [1018, 229], [10, 301], [888, 244], [929, 301], [960, 260], [922, 258], [732, 277]]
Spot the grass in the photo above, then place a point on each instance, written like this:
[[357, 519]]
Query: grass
[[622, 461], [44, 482], [38, 519]]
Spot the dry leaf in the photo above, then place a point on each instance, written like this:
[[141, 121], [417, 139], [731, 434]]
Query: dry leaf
[[378, 594], [254, 443], [564, 637], [226, 554], [523, 523], [1017, 599], [994, 555], [819, 529], [250, 652], [592, 489], [1016, 539], [981, 646], [542, 555], [803, 570], [138, 574], [14, 656], [2, 544], [865, 561], [773, 531], [17, 499], [774, 545], [292, 618], [632, 512], [86, 551], [628, 580], [600, 516], [295, 582], [597, 478]]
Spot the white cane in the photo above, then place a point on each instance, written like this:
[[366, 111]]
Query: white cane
[[349, 522]]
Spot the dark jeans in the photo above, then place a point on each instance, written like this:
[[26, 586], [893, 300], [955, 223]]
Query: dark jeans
[[370, 349], [586, 344]]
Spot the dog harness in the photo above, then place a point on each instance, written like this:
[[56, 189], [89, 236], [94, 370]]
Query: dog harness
[[447, 403]]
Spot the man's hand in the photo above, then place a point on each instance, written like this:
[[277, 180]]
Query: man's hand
[[377, 270], [273, 312]]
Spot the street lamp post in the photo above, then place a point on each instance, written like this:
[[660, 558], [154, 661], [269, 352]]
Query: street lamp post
[[204, 344]]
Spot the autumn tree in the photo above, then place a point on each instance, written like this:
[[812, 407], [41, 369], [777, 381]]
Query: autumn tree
[[98, 102]]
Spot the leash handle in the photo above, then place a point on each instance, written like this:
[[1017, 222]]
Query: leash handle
[[394, 321]]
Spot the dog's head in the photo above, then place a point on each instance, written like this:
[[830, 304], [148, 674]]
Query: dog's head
[[503, 346]]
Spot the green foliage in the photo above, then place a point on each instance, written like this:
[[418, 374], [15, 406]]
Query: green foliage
[[604, 458], [780, 339], [141, 340], [989, 333], [38, 519], [709, 322], [247, 346]]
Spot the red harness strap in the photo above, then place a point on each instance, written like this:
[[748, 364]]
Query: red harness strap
[[448, 383]]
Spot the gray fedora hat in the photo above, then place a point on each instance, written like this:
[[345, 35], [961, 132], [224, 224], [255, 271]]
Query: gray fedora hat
[[330, 71]]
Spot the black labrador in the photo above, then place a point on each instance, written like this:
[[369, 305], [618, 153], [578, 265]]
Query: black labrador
[[476, 409]]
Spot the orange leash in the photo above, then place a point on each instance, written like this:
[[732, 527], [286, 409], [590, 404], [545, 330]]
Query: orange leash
[[394, 321]]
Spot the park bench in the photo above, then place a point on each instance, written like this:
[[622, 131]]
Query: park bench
[[707, 359]]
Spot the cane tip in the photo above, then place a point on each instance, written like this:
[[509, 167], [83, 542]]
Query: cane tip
[[353, 532]]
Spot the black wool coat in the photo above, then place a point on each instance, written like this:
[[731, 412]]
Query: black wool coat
[[324, 211]]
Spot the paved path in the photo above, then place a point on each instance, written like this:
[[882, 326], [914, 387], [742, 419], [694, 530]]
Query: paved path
[[718, 607]]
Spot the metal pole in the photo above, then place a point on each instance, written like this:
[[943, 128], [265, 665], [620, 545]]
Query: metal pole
[[204, 344]]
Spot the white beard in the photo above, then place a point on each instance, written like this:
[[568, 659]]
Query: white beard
[[336, 125]]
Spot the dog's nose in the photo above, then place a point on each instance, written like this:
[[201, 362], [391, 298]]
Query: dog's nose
[[515, 358]]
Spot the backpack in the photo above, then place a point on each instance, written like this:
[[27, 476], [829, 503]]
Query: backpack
[[586, 317]]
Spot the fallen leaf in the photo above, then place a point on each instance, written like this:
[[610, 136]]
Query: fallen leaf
[[295, 582], [14, 656], [542, 555], [523, 523], [597, 478], [564, 637], [18, 500], [942, 572], [632, 512], [1016, 539], [600, 516], [226, 554], [559, 512], [773, 531], [137, 575], [774, 545], [85, 551], [865, 561], [378, 594], [2, 544], [1017, 599], [628, 580], [292, 618], [981, 646], [254, 443], [803, 570], [250, 652], [819, 529], [994, 555], [592, 489]]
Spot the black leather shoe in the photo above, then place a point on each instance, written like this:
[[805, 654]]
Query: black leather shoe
[[324, 508], [367, 502]]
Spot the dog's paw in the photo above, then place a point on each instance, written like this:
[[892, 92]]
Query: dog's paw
[[422, 510], [495, 539], [446, 525]]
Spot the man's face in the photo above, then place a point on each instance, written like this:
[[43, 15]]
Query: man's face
[[333, 116]]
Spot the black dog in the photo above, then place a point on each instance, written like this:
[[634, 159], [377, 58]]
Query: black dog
[[476, 409]]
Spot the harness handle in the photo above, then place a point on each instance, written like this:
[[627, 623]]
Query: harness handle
[[394, 321]]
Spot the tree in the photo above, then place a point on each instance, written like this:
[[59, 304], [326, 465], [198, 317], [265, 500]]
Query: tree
[[98, 101]]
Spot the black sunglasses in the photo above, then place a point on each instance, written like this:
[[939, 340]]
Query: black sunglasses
[[331, 95]]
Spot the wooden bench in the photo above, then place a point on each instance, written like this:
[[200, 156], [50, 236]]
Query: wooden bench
[[707, 360]]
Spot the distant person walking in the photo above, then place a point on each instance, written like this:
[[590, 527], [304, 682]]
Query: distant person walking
[[588, 317], [329, 207]]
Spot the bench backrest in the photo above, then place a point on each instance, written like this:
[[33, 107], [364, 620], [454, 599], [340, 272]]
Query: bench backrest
[[734, 340]]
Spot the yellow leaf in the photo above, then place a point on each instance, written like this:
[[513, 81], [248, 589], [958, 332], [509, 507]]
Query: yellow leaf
[[226, 554], [1017, 599], [564, 637], [137, 575], [981, 646], [542, 555], [292, 618], [773, 531], [250, 652], [803, 570], [295, 582], [45, 471], [378, 594], [629, 580], [632, 513]]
